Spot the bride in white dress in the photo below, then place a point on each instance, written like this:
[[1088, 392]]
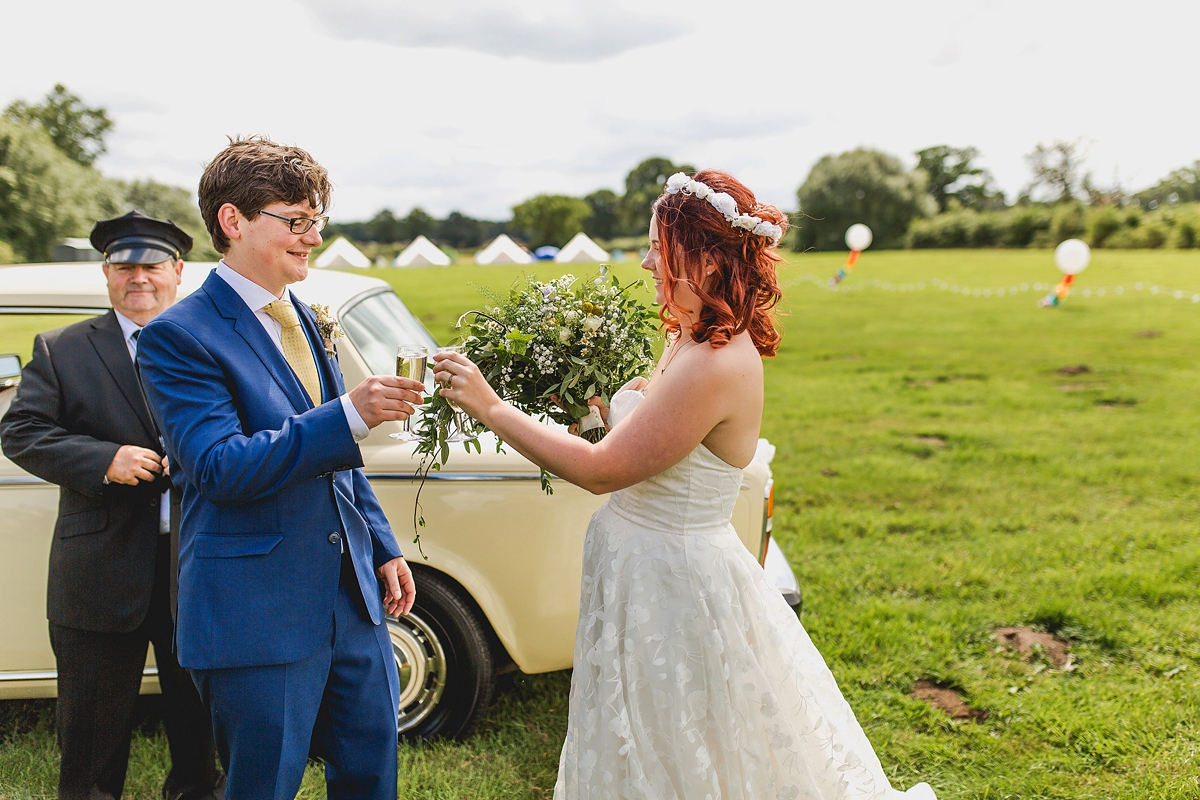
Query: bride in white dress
[[693, 679]]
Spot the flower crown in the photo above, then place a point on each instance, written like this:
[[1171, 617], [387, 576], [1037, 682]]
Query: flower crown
[[726, 205]]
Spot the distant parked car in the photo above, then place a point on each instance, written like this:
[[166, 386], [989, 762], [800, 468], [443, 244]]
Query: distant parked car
[[500, 588]]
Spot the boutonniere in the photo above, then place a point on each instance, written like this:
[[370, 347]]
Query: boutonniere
[[328, 327]]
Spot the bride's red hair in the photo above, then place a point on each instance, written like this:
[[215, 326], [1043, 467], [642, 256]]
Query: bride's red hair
[[743, 290]]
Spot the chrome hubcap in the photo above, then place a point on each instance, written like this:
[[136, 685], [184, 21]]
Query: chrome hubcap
[[422, 666]]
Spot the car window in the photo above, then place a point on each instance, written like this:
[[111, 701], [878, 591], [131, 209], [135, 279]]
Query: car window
[[17, 330], [380, 324]]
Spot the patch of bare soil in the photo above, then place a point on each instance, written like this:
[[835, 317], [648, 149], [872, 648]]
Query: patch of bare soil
[[1148, 334], [947, 700], [932, 441], [829, 472], [1073, 369], [1024, 640], [1113, 402]]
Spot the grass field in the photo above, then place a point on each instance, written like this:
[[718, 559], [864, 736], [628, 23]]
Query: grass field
[[936, 478]]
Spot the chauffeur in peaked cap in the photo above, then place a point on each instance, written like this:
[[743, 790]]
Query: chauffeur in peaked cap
[[79, 420]]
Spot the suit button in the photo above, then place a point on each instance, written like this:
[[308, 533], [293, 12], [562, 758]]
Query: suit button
[[335, 537]]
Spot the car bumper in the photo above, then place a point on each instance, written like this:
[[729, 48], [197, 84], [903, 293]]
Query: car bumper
[[779, 572]]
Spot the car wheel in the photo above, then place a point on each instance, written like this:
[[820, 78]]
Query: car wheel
[[447, 673]]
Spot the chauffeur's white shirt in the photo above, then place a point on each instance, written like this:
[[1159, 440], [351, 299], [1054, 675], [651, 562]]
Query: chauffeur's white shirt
[[258, 298], [131, 329]]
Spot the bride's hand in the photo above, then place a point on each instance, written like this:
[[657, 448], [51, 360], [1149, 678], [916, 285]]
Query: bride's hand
[[573, 428], [463, 383]]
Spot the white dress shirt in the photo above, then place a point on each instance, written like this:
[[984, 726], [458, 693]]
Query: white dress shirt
[[131, 330], [257, 298]]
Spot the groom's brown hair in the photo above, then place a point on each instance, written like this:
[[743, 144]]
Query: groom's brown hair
[[253, 172]]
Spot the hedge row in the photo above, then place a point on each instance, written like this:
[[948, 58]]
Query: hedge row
[[1046, 226]]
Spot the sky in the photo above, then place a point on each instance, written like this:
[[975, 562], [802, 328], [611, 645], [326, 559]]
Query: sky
[[475, 106]]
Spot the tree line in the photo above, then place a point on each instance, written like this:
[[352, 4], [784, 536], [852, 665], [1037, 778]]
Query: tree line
[[50, 189], [547, 219], [948, 200]]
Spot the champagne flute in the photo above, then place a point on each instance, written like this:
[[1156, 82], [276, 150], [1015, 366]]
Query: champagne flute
[[411, 360], [460, 434]]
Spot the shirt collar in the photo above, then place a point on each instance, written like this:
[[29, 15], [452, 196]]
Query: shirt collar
[[128, 326], [253, 295]]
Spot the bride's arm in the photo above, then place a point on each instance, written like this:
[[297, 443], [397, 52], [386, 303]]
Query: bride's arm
[[699, 393]]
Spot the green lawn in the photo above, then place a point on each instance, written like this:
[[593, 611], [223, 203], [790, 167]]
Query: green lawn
[[936, 478]]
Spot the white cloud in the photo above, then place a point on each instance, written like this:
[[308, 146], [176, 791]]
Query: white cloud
[[558, 31]]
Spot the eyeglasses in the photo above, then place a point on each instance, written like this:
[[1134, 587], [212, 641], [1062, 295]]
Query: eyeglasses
[[301, 224]]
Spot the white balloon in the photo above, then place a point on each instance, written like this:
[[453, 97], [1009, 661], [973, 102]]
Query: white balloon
[[1072, 256], [858, 237]]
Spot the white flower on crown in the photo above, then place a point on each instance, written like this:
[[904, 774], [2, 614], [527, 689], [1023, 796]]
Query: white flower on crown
[[724, 203], [764, 228], [677, 182]]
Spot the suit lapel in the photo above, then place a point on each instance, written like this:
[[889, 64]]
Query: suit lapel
[[108, 339], [231, 306]]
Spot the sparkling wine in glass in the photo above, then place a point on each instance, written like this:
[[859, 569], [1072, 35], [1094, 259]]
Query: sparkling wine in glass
[[461, 433], [411, 360]]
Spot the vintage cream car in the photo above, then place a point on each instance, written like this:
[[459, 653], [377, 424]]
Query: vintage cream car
[[500, 589]]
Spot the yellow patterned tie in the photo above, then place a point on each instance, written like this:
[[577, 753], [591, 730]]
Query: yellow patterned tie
[[295, 348]]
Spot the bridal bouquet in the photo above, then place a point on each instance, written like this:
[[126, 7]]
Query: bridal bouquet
[[547, 348]]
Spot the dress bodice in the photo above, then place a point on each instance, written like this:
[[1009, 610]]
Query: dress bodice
[[696, 495]]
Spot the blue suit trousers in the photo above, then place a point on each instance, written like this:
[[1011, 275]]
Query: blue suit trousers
[[265, 718]]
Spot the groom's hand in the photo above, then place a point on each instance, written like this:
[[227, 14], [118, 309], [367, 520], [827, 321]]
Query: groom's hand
[[383, 398], [399, 590]]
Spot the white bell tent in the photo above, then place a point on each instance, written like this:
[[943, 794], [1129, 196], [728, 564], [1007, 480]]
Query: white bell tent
[[503, 250], [421, 253], [581, 249], [342, 253]]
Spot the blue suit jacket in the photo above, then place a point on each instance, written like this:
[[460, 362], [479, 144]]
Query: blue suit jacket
[[267, 480]]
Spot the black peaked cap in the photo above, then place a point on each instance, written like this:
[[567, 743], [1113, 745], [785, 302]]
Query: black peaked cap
[[138, 239]]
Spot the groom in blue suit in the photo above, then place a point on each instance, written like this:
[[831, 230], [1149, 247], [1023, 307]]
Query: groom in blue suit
[[284, 551]]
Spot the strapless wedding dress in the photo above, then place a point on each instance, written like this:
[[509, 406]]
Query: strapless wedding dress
[[693, 679]]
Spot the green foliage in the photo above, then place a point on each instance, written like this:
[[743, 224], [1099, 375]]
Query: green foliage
[[7, 254], [1039, 225], [549, 219], [643, 185], [1068, 222], [1058, 168], [953, 177], [44, 195], [1181, 186], [76, 130], [173, 203], [859, 186], [605, 219]]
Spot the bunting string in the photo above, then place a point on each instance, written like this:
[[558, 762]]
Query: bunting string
[[1154, 289]]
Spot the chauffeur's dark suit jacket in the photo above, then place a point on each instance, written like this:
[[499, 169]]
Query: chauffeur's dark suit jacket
[[77, 403], [111, 576]]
